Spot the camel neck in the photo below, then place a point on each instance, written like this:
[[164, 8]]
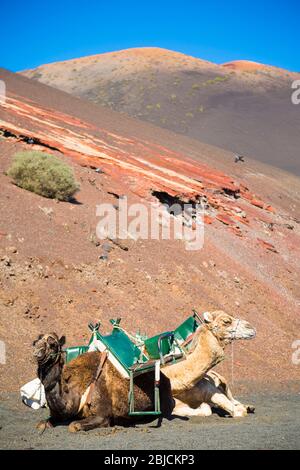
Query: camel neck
[[50, 374], [207, 353], [51, 377]]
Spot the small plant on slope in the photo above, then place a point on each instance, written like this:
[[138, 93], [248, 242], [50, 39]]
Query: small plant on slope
[[43, 174]]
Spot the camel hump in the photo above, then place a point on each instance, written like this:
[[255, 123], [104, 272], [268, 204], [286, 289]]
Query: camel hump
[[82, 369], [88, 359]]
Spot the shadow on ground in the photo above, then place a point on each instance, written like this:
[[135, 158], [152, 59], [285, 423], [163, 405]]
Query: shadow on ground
[[275, 425]]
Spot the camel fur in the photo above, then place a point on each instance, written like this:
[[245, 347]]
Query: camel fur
[[65, 384], [195, 387]]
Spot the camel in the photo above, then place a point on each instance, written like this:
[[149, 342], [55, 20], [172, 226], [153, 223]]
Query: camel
[[194, 386], [89, 392], [191, 382]]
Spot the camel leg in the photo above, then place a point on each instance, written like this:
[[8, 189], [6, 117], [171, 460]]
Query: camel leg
[[220, 400], [197, 400], [182, 409], [89, 423], [206, 393], [221, 383], [249, 408]]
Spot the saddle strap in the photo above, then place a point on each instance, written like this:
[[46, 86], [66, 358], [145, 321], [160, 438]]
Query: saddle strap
[[188, 340], [101, 364], [87, 396]]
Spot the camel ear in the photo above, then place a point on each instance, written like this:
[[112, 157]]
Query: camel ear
[[36, 340], [208, 318], [62, 340]]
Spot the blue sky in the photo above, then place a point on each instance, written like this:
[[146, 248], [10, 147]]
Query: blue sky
[[35, 32]]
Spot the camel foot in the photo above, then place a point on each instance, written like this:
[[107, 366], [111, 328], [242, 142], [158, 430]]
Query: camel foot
[[89, 423], [250, 409], [240, 411], [43, 425], [75, 426]]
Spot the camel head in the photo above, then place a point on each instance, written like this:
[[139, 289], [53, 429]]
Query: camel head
[[227, 328], [47, 348]]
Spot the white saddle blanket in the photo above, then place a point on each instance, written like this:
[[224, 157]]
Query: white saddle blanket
[[33, 394]]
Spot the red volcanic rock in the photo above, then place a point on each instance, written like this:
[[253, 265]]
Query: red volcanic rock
[[246, 194], [242, 220], [243, 188], [236, 230], [257, 203], [267, 245], [208, 219], [136, 165], [225, 219], [270, 208]]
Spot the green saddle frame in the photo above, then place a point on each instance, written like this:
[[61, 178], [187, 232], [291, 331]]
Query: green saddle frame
[[137, 357], [129, 354]]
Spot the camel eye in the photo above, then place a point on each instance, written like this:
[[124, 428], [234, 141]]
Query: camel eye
[[227, 321]]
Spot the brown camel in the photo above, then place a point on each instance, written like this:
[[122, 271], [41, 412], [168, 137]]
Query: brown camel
[[107, 404], [195, 387]]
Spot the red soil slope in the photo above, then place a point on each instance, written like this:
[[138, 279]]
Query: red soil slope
[[143, 166], [50, 272]]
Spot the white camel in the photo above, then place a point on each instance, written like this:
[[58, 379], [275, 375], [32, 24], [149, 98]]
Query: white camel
[[195, 386]]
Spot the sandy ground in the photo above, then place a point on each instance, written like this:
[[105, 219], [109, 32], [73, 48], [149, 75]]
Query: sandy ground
[[275, 425]]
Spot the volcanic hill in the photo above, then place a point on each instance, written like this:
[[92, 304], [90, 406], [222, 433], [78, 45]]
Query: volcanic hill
[[241, 106], [53, 275]]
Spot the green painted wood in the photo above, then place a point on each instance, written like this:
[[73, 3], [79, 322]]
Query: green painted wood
[[121, 346], [188, 327], [132, 411], [151, 345]]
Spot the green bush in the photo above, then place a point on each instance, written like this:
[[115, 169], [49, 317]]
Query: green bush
[[43, 174]]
